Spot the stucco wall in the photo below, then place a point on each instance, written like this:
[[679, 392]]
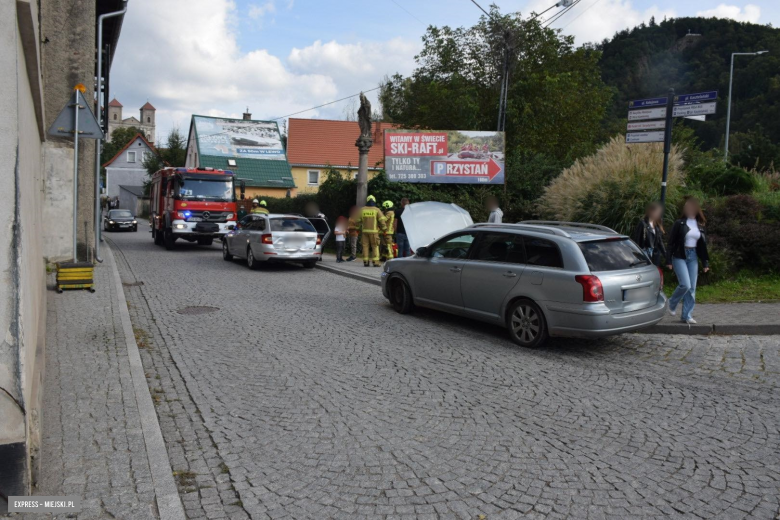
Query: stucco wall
[[116, 177], [68, 59], [22, 289], [301, 177]]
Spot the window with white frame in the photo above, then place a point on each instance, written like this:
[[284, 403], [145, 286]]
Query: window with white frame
[[131, 156], [314, 178]]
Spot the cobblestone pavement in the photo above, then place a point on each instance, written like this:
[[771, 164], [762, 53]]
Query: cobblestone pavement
[[92, 445], [297, 393]]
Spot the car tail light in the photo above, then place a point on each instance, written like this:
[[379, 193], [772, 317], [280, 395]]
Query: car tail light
[[592, 290], [267, 239], [319, 240], [661, 272]]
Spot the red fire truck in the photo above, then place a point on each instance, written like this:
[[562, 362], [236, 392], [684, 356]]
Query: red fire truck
[[194, 204]]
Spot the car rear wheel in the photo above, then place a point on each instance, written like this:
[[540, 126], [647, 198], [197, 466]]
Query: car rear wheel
[[226, 256], [401, 296], [526, 324], [251, 261]]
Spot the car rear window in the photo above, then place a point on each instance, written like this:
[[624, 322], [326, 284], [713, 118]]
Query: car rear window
[[613, 255], [291, 224]]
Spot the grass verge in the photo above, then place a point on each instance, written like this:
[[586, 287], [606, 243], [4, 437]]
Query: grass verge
[[744, 287]]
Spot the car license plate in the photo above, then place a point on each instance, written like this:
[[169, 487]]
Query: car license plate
[[638, 295], [194, 219]]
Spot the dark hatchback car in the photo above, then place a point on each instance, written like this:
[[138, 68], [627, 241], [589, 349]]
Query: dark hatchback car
[[120, 219]]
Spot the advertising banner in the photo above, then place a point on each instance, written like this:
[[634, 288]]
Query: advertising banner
[[446, 157], [239, 138]]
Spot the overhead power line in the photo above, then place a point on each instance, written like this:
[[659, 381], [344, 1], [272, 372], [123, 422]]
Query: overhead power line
[[583, 12], [408, 12], [324, 104], [480, 7], [560, 14]]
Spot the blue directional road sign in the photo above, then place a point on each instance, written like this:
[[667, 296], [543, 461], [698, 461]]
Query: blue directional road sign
[[684, 99], [646, 103]]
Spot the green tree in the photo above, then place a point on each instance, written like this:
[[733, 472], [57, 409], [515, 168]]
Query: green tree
[[556, 98], [174, 153]]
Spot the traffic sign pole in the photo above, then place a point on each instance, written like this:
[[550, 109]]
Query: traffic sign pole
[[667, 144]]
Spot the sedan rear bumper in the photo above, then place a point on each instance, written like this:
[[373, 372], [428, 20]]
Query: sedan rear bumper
[[597, 322], [271, 254]]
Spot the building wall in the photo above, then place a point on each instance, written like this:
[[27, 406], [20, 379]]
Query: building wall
[[22, 270], [122, 172], [116, 177], [300, 175], [68, 59], [148, 130], [280, 193], [130, 201]]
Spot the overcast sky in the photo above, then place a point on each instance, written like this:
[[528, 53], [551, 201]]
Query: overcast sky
[[216, 57]]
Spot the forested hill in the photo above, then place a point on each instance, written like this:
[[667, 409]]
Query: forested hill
[[693, 55]]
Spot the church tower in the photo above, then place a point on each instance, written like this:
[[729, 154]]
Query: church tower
[[147, 120], [114, 111]]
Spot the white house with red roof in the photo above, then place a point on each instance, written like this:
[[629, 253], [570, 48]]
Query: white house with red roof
[[144, 122], [126, 168]]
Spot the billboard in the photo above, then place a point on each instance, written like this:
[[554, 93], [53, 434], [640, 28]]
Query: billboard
[[444, 157], [239, 138]]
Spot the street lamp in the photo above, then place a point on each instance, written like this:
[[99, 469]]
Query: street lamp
[[728, 110]]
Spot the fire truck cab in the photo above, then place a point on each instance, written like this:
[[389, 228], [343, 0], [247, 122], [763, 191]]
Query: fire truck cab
[[194, 204]]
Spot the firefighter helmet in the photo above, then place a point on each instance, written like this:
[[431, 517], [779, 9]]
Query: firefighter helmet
[[387, 204], [371, 198], [255, 201], [263, 203]]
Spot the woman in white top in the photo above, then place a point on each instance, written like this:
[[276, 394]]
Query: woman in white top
[[687, 245]]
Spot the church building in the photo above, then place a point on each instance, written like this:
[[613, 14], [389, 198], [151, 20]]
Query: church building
[[146, 122]]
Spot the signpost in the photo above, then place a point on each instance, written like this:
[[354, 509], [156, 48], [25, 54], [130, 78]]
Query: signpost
[[656, 136], [71, 123], [698, 109], [650, 120], [646, 113]]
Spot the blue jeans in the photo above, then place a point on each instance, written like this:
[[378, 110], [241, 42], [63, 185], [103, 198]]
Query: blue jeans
[[687, 271], [403, 245]]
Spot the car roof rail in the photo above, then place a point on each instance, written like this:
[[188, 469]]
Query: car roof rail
[[595, 227], [524, 226]]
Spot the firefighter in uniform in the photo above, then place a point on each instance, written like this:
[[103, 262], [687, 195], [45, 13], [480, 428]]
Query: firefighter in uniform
[[372, 222], [353, 227], [387, 237], [259, 207]]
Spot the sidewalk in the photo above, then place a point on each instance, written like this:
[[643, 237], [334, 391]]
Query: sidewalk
[[98, 437], [712, 318]]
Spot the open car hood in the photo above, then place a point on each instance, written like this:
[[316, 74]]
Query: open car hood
[[426, 221]]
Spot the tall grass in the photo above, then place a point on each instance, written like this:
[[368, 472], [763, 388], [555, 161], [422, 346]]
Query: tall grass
[[613, 186]]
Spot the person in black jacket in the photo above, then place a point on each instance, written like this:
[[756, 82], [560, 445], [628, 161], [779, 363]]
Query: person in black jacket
[[649, 233], [687, 245]]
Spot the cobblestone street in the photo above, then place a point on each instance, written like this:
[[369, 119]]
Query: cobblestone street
[[297, 393]]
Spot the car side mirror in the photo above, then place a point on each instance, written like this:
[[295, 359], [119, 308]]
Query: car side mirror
[[422, 252]]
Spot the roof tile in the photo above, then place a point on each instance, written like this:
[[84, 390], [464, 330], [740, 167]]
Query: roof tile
[[323, 141], [259, 173]]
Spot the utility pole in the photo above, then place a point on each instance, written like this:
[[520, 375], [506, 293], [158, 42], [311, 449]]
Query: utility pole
[[728, 109]]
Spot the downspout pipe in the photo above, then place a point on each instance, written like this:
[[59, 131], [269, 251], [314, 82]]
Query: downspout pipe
[[99, 114]]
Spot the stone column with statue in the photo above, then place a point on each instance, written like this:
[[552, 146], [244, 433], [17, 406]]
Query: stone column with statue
[[363, 144]]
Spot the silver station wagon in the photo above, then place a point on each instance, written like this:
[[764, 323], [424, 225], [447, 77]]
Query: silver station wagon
[[274, 238], [537, 279]]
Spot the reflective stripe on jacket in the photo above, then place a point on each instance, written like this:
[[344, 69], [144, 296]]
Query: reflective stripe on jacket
[[389, 219]]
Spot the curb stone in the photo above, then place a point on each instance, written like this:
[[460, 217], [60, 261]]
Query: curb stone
[[168, 501], [661, 328], [348, 274]]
